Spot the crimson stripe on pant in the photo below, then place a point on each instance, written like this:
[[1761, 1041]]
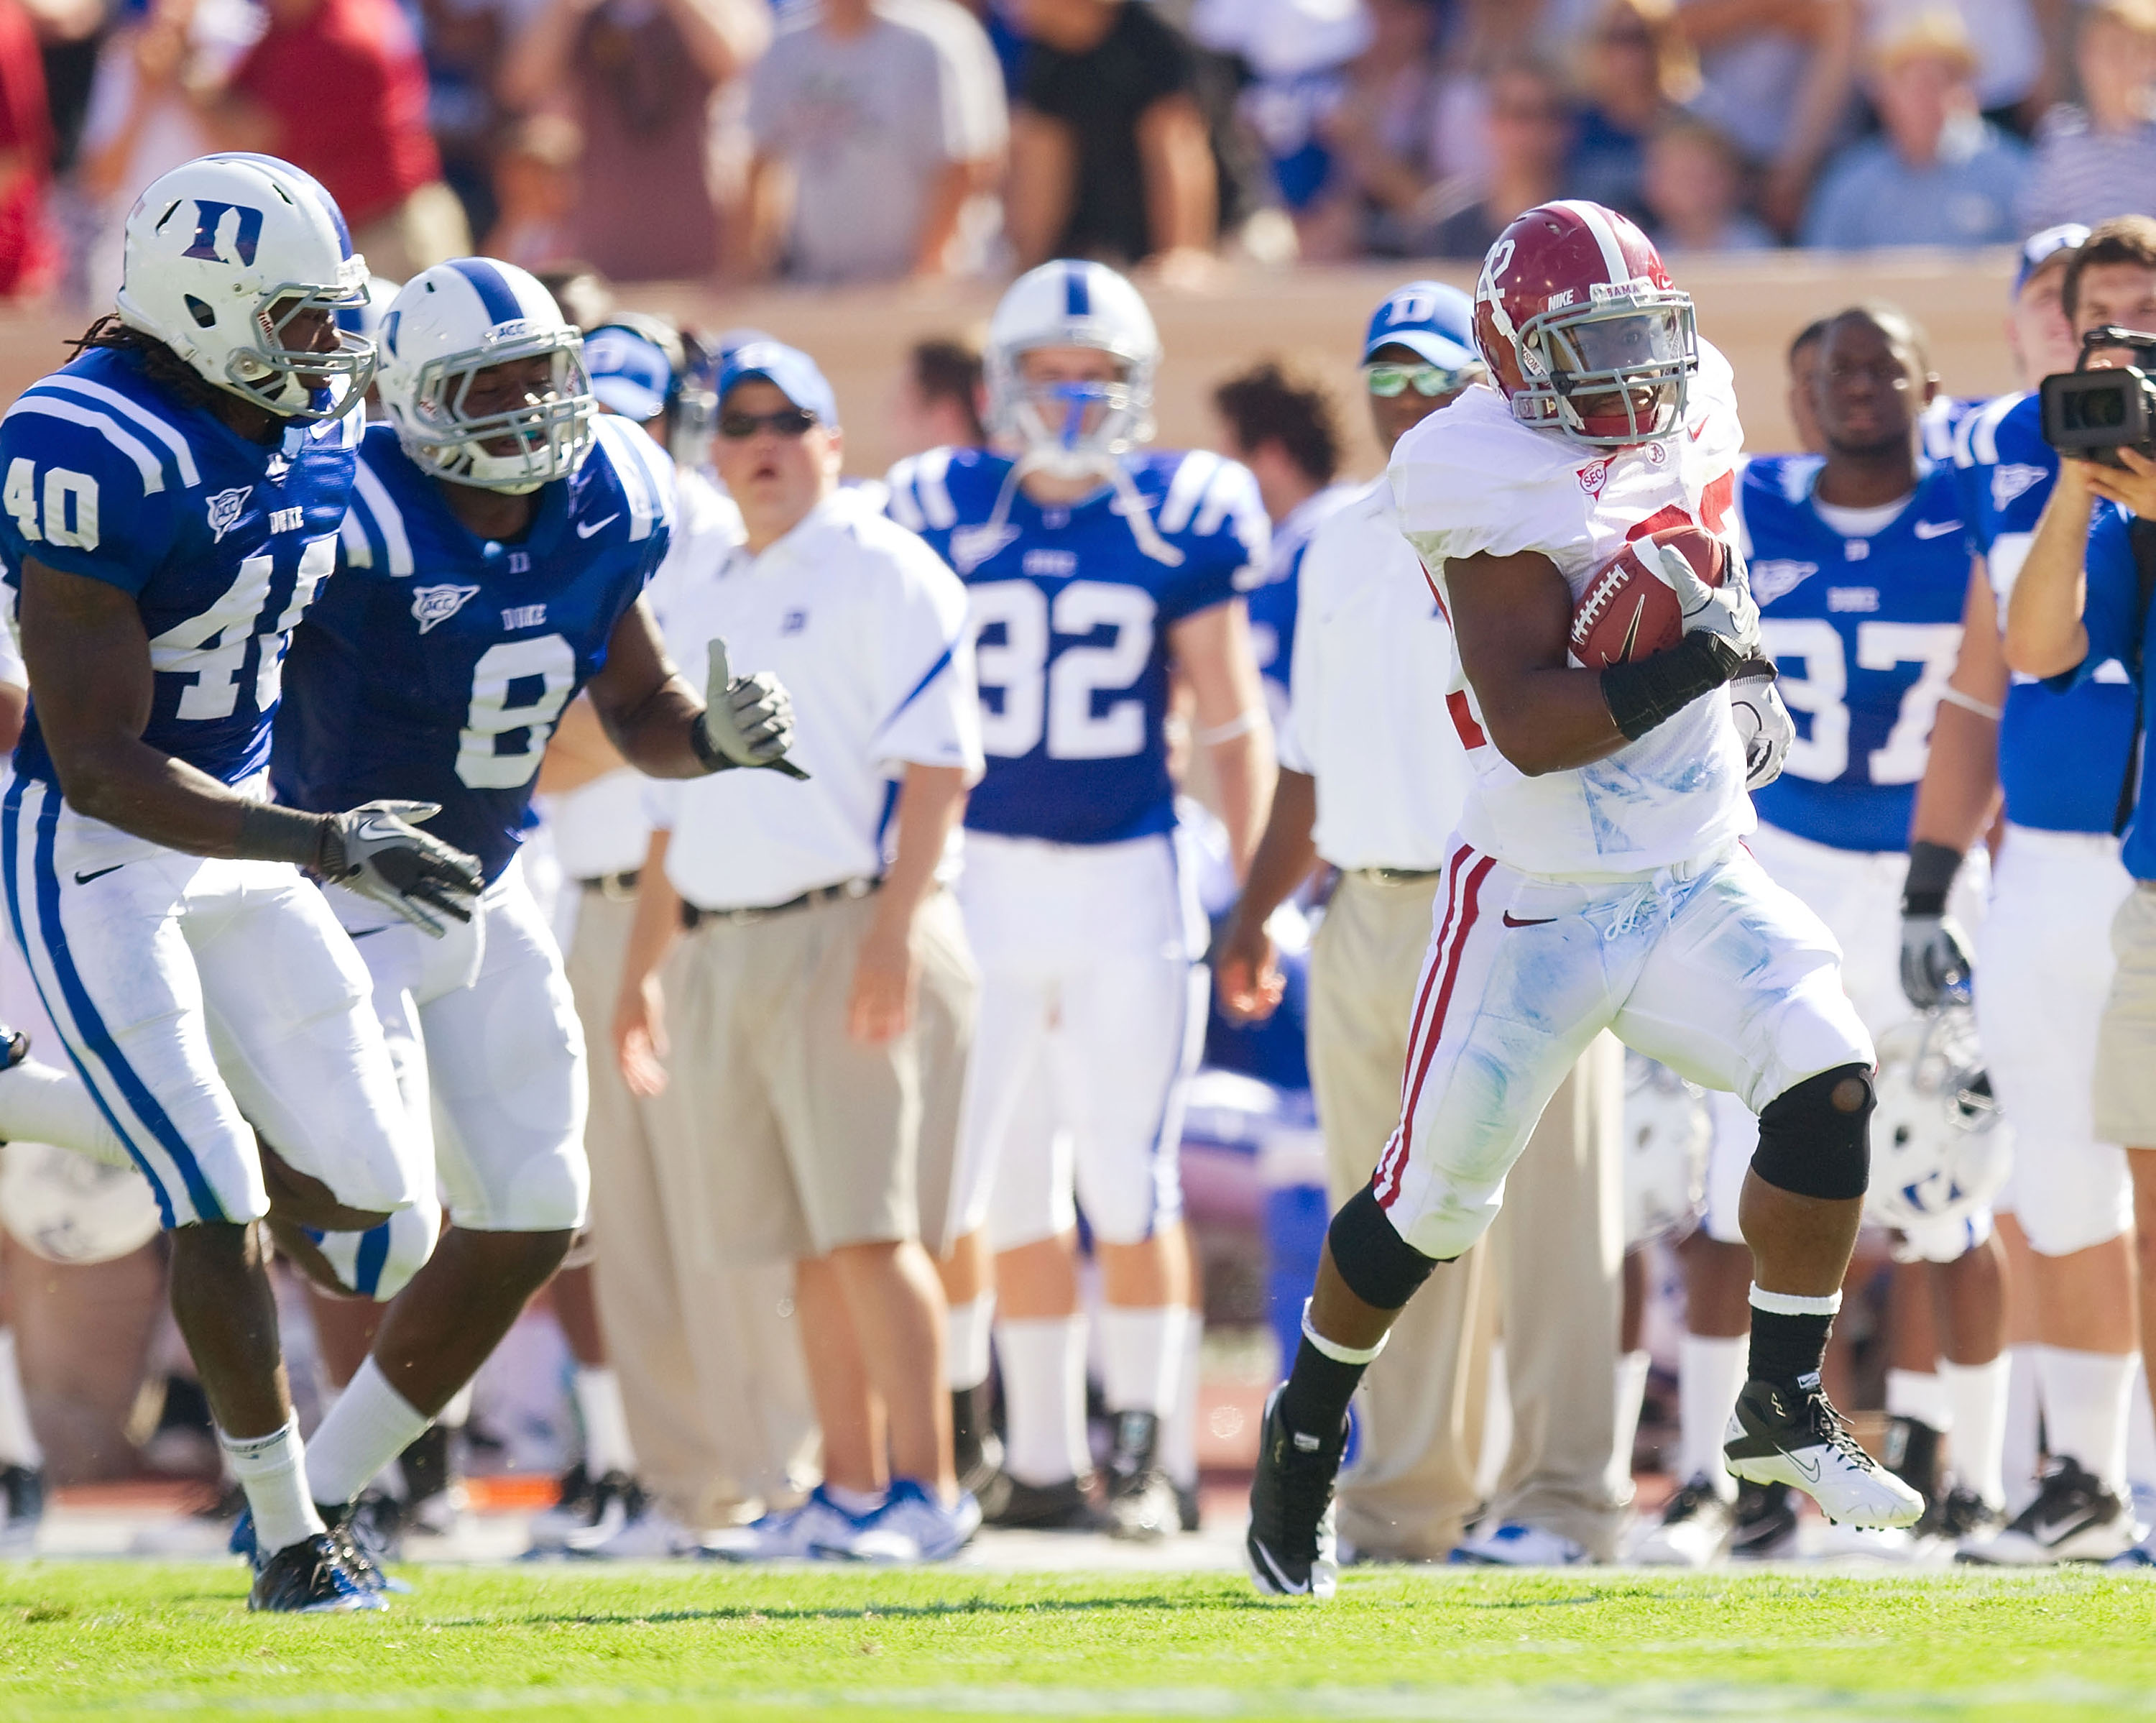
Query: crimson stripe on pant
[[1389, 1181]]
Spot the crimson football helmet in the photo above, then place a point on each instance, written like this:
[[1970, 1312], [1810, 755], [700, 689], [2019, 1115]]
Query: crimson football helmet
[[1582, 328]]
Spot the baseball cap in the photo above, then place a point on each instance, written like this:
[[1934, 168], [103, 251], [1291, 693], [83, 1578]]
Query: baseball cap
[[2039, 248], [787, 369], [629, 374], [1429, 318]]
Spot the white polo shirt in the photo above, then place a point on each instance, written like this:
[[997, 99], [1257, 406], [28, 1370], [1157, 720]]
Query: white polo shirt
[[601, 827], [866, 627], [1366, 716]]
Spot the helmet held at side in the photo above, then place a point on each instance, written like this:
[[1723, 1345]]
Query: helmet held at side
[[223, 256], [1584, 332], [1940, 1151], [461, 319]]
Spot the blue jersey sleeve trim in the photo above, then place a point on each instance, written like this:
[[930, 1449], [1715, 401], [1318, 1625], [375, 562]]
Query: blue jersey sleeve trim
[[370, 493], [152, 469], [183, 457]]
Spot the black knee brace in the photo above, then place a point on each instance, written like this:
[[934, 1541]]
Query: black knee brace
[[1814, 1139], [1381, 1267]]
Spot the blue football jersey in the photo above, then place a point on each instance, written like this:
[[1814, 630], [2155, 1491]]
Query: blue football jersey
[[221, 541], [1273, 602], [436, 663], [2063, 753], [1071, 618], [1865, 632]]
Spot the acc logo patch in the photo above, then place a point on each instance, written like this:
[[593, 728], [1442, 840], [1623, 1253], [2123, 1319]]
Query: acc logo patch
[[437, 603], [973, 546], [225, 509], [2011, 478]]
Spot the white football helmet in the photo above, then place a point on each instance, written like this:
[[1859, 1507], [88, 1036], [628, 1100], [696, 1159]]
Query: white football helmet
[[1667, 1130], [68, 1208], [454, 321], [1939, 1151], [1072, 430], [221, 254]]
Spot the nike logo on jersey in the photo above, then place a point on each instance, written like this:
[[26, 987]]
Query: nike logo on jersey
[[586, 529], [1937, 529], [83, 879], [1512, 921], [437, 603]]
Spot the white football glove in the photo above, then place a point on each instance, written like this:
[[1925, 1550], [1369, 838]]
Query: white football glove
[[1726, 611], [1764, 727], [378, 851], [747, 721]]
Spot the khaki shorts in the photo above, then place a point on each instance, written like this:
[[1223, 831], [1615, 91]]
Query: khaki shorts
[[810, 1138], [2126, 1044]]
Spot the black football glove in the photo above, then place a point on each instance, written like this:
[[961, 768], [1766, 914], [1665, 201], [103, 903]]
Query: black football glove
[[378, 851]]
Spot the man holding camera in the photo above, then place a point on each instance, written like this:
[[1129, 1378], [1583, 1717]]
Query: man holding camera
[[2079, 610]]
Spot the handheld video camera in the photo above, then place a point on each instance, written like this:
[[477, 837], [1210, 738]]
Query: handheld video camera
[[2091, 414]]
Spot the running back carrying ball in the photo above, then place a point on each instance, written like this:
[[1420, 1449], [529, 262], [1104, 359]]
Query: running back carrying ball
[[1630, 611]]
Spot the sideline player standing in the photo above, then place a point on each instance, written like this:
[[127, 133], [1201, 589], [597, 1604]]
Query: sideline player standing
[[171, 501], [492, 567], [1599, 882], [1091, 569], [1859, 564], [2064, 758]]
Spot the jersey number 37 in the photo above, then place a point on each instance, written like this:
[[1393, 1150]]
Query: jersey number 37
[[1054, 692]]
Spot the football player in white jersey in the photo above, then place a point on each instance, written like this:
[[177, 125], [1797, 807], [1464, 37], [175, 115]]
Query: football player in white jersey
[[1598, 880], [1092, 568]]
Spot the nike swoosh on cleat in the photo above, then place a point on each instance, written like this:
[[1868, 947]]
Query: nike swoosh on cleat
[[585, 530], [1512, 922], [83, 879], [1810, 1468]]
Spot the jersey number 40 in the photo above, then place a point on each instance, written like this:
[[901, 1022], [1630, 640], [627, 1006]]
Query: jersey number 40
[[1053, 692]]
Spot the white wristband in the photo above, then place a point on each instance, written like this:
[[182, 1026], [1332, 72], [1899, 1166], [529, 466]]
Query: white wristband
[[1969, 702], [1241, 724]]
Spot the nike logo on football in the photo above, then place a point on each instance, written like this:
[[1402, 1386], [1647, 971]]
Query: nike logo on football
[[1937, 529], [83, 879], [1511, 921], [585, 529]]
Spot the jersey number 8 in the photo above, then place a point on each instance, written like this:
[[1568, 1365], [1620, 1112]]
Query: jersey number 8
[[1058, 698], [519, 688]]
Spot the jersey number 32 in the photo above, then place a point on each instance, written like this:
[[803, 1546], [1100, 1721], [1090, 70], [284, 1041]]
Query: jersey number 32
[[1054, 694]]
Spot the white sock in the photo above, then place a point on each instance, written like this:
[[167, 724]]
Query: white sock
[[1710, 1370], [1496, 1425], [1976, 1393], [1179, 1430], [272, 1469], [968, 1326], [1141, 1357], [607, 1446], [370, 1425], [2140, 1429], [2085, 1399], [858, 1503], [18, 1442], [1919, 1394], [1631, 1388], [2025, 1422], [43, 1104], [1043, 1365]]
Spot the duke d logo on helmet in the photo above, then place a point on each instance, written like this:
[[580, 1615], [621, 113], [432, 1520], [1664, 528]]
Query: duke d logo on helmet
[[209, 216]]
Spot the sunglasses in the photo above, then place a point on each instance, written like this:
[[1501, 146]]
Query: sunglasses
[[787, 422], [1429, 381]]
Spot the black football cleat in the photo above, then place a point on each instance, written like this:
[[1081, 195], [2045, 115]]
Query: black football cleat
[[1067, 1506], [1788, 1432], [1290, 1550], [1141, 1505], [314, 1576]]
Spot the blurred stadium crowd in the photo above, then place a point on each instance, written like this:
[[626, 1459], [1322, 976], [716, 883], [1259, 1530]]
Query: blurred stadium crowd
[[829, 140]]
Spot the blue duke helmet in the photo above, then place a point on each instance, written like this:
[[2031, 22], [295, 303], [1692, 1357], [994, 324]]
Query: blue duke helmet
[[221, 254], [454, 321]]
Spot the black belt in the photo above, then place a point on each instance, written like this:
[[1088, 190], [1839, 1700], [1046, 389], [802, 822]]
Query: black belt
[[693, 917], [1399, 876], [615, 887]]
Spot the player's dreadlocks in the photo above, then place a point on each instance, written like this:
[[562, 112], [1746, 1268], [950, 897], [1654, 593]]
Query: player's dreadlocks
[[160, 363]]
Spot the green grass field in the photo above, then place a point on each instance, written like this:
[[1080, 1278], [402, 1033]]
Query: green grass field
[[131, 1640]]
